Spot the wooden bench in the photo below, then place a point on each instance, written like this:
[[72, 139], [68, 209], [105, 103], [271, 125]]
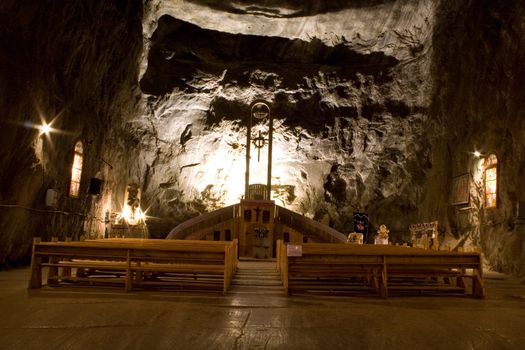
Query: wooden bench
[[137, 263], [379, 269]]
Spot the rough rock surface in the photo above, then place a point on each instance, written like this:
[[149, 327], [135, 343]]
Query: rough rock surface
[[349, 101], [478, 98], [378, 105], [64, 61]]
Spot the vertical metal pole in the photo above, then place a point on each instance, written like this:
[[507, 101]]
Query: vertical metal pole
[[270, 143], [248, 143]]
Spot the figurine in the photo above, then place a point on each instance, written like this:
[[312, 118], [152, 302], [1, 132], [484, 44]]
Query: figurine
[[355, 238], [382, 235]]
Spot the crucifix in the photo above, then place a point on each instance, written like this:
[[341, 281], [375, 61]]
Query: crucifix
[[259, 143]]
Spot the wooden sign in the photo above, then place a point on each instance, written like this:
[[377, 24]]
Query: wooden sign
[[425, 235], [294, 250], [460, 190]]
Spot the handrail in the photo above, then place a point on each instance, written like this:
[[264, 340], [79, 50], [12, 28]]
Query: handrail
[[307, 226], [203, 221]]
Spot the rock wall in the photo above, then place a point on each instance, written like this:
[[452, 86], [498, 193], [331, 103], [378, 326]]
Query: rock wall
[[72, 63], [478, 72], [349, 98], [378, 106]]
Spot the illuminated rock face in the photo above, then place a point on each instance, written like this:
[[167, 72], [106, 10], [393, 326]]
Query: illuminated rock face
[[350, 108], [378, 105]]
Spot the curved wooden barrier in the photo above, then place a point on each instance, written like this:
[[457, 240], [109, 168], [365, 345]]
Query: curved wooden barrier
[[203, 222], [308, 226]]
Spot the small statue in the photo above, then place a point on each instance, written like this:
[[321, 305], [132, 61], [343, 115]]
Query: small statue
[[382, 235], [383, 231], [355, 238]]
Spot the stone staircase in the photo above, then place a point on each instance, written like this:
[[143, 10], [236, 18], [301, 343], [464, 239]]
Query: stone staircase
[[255, 276]]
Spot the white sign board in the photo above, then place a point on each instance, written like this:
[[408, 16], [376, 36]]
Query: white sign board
[[294, 250]]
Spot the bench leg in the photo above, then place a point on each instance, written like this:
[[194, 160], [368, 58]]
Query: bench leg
[[66, 272], [374, 281], [477, 286], [383, 282], [128, 285], [460, 282], [139, 277], [35, 280], [52, 272], [129, 275], [383, 285]]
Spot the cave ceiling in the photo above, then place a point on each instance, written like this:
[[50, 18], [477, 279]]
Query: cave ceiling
[[286, 8]]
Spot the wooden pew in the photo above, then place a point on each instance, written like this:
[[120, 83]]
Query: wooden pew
[[137, 263], [380, 269], [332, 267]]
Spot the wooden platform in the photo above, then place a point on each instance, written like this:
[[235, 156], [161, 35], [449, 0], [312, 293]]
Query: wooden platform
[[379, 269], [136, 263]]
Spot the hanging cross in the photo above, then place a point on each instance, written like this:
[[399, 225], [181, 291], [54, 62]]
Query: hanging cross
[[259, 143]]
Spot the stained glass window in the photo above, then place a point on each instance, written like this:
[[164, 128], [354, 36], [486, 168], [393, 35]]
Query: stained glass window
[[491, 181], [76, 170]]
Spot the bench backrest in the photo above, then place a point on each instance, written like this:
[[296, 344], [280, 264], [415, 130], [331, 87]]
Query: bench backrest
[[144, 250]]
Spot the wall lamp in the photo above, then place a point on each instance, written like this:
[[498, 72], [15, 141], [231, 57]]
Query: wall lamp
[[45, 128]]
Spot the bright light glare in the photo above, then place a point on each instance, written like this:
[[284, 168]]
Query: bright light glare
[[132, 217], [45, 128], [477, 154]]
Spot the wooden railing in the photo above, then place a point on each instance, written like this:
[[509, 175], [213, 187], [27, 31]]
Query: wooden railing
[[379, 269], [182, 264], [203, 222], [282, 263], [307, 226]]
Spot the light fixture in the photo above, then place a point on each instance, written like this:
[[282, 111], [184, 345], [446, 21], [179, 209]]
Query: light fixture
[[45, 128], [477, 154]]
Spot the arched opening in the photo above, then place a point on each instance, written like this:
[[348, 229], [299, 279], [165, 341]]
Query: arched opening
[[490, 179], [76, 170]]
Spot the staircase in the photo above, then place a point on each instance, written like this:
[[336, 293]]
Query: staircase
[[255, 276]]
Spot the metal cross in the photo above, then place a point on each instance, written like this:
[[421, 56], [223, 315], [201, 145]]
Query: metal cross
[[259, 143]]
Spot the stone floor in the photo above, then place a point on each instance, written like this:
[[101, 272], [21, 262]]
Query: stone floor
[[105, 318]]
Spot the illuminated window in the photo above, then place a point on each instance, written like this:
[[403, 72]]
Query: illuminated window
[[76, 170], [491, 181]]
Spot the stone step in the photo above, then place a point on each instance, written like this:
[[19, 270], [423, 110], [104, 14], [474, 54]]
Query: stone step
[[257, 277], [262, 268], [258, 273], [257, 289], [254, 282]]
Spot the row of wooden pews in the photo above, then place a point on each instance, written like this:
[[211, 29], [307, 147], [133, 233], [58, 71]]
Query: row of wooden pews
[[379, 269], [136, 263]]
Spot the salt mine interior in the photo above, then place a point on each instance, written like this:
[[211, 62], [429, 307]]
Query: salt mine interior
[[129, 118], [378, 106]]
